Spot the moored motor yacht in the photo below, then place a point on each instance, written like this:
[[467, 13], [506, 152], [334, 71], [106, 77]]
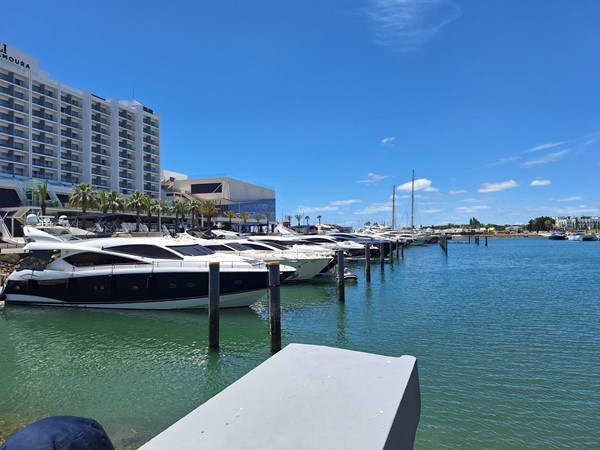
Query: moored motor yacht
[[133, 273]]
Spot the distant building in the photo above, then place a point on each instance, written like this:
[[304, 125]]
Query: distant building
[[54, 133], [575, 223], [227, 193]]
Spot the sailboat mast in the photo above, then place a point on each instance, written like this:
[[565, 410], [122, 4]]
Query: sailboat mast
[[412, 203], [394, 207]]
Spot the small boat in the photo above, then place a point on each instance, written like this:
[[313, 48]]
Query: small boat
[[580, 235], [557, 235], [349, 275]]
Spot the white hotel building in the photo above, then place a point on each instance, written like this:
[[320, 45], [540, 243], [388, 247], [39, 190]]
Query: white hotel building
[[53, 133]]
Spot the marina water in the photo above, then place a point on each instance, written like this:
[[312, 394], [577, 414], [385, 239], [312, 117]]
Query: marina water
[[507, 339]]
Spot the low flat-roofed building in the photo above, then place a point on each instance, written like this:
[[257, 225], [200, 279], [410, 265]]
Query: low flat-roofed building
[[228, 194]]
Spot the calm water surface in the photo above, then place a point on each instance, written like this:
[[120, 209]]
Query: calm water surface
[[507, 338]]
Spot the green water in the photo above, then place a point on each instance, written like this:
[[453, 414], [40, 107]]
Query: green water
[[507, 338]]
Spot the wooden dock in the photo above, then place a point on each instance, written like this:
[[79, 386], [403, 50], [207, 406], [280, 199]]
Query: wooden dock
[[308, 397]]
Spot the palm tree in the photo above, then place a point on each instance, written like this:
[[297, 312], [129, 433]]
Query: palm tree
[[102, 199], [137, 202], [258, 218], [159, 206], [41, 192], [319, 219], [298, 218], [230, 215], [244, 216], [179, 207], [209, 208], [192, 207], [268, 216], [307, 227], [148, 209], [288, 219], [114, 201], [83, 196]]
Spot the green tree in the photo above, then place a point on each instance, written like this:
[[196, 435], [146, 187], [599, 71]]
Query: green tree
[[258, 218], [244, 216], [192, 207], [115, 201], [102, 201], [137, 203], [288, 219], [230, 215], [83, 196], [307, 218], [209, 209], [41, 192], [268, 217], [298, 218], [179, 207], [159, 206]]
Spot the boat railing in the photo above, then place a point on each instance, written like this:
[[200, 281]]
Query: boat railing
[[171, 265]]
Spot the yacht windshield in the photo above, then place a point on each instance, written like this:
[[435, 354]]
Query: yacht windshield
[[192, 250], [145, 250]]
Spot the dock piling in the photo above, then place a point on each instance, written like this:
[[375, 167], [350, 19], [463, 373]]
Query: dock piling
[[368, 262], [340, 276], [381, 254], [274, 307], [213, 305]]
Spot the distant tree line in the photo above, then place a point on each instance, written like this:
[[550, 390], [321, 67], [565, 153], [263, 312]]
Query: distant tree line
[[541, 224]]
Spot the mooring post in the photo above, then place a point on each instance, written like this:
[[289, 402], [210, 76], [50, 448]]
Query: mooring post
[[381, 254], [368, 262], [486, 240], [402, 250], [469, 238], [391, 251], [213, 305], [274, 307], [340, 276]]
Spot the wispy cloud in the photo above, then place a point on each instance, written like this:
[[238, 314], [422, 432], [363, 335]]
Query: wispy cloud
[[313, 209], [431, 211], [496, 187], [552, 157], [506, 160], [373, 178], [374, 209], [388, 140], [539, 182], [474, 200], [408, 24], [568, 199], [344, 202], [545, 146], [457, 192], [471, 209], [422, 184]]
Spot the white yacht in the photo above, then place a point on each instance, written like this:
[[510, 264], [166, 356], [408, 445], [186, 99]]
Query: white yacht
[[308, 264], [132, 273]]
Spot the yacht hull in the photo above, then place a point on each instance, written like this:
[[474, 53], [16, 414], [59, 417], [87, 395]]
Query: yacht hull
[[161, 291]]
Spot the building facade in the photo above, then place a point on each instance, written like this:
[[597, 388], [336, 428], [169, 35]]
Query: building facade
[[64, 136], [227, 193]]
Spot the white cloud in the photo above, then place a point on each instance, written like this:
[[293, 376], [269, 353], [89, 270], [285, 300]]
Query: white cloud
[[373, 178], [471, 209], [505, 161], [496, 187], [545, 146], [546, 159], [344, 202], [431, 211], [422, 184], [408, 24], [458, 191], [374, 209], [473, 200], [539, 182], [313, 209], [388, 140], [568, 199]]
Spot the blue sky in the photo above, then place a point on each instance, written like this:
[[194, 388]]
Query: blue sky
[[493, 104]]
